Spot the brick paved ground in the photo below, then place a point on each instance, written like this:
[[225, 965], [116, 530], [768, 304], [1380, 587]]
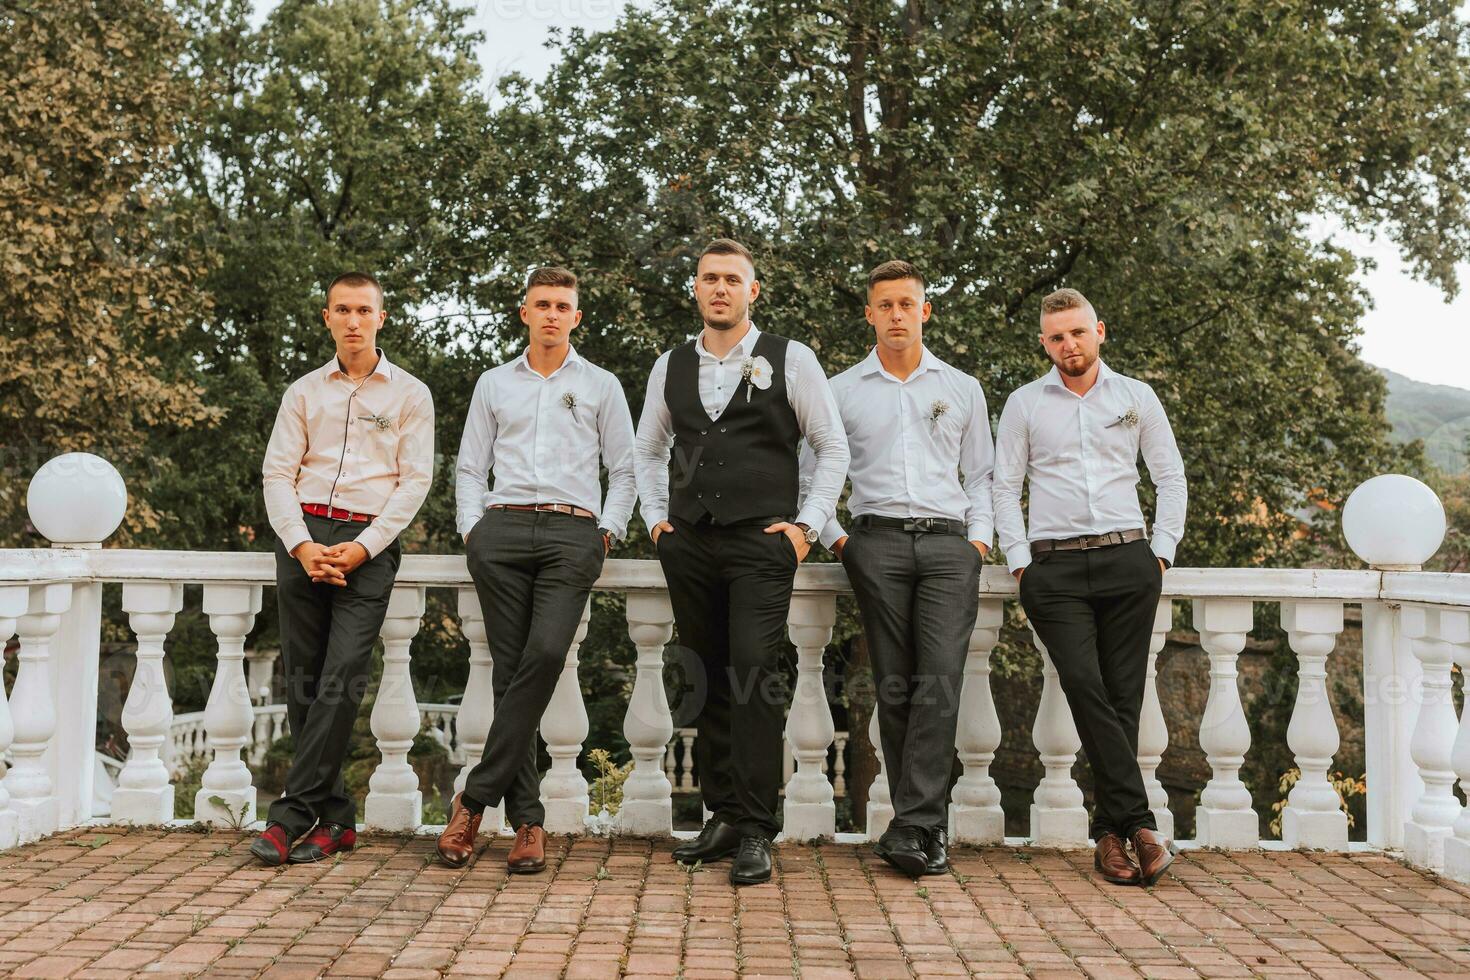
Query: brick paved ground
[[114, 903]]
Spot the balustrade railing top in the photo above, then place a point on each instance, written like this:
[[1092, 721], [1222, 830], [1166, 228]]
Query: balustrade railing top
[[1416, 626]]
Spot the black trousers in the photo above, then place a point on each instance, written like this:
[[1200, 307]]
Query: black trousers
[[917, 595], [730, 587], [327, 637], [533, 572], [1094, 610]]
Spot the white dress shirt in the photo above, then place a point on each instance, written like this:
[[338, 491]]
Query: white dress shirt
[[806, 391], [1081, 456], [543, 450], [910, 440], [364, 446]]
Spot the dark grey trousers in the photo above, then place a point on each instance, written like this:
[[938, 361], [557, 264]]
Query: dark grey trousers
[[1095, 611], [533, 572], [917, 595], [327, 638]]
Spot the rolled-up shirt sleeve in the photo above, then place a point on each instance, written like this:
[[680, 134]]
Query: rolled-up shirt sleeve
[[415, 475], [1012, 452], [1166, 470], [651, 448]]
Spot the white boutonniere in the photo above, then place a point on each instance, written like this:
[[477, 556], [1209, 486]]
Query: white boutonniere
[[936, 412], [569, 399], [383, 422], [1128, 418], [756, 373]]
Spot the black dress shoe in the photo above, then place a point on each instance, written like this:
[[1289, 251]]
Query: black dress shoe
[[752, 862], [903, 847], [936, 850], [715, 841], [327, 839]]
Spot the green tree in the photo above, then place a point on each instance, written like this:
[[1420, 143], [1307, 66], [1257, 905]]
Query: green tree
[[94, 295]]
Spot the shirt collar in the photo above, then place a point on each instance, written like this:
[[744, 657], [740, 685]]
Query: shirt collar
[[742, 349], [524, 361], [927, 362], [383, 370]]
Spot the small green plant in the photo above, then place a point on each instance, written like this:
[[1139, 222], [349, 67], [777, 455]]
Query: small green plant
[[606, 791], [92, 844], [602, 873], [197, 923], [923, 892], [236, 818]]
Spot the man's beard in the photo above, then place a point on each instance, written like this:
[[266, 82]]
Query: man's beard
[[733, 319], [1087, 364]]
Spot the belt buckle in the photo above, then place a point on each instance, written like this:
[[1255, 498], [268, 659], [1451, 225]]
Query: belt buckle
[[925, 524]]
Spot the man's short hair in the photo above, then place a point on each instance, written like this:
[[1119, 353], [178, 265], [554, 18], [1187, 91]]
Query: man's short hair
[[354, 279], [728, 246], [895, 269], [1066, 299], [551, 275]]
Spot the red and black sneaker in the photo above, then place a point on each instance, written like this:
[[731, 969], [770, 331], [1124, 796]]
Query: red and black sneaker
[[272, 846], [327, 839]]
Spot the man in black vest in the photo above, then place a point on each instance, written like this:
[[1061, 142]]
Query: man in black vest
[[734, 403]]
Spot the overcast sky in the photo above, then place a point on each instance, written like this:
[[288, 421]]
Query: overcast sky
[[1405, 331]]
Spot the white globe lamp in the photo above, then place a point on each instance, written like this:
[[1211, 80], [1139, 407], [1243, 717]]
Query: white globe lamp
[[77, 499], [1393, 522]]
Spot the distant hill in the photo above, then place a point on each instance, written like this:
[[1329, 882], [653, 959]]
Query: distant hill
[[1438, 414]]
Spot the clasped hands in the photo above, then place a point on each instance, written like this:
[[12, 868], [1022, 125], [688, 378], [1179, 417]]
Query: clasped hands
[[330, 564]]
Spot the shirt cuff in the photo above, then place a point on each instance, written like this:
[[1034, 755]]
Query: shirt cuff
[[653, 517], [1018, 557], [982, 532], [1163, 546], [811, 517], [372, 539], [467, 520], [831, 534], [295, 537]]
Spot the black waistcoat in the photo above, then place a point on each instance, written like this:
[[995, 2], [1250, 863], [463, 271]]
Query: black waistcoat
[[742, 465]]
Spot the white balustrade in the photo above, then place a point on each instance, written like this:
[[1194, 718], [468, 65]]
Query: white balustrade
[[839, 764], [33, 712], [1058, 812], [260, 664], [1153, 731], [975, 815], [1457, 847], [1224, 817], [1434, 632], [477, 707], [564, 726], [809, 812], [144, 794], [1313, 816], [648, 724], [14, 601], [880, 800], [226, 795], [394, 801]]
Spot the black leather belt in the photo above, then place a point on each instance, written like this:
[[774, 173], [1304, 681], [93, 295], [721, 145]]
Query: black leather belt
[[1087, 542], [914, 525]]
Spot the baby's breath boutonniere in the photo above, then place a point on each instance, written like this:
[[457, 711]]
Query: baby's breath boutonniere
[[1128, 418], [936, 412], [756, 373], [569, 399], [382, 422]]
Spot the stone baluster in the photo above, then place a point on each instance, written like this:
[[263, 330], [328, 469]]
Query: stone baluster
[[975, 816], [14, 601], [394, 801], [1313, 816], [686, 777], [1433, 631], [648, 724], [1153, 732], [226, 795], [810, 812], [1058, 812], [144, 794], [839, 764], [1224, 817], [564, 726], [260, 667], [1456, 847], [477, 708], [33, 712], [880, 800]]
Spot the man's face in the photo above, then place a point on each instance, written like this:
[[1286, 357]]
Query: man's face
[[724, 288], [1071, 338], [898, 312], [550, 313], [354, 315]]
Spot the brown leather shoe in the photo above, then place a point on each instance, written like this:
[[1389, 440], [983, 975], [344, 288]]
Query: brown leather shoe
[[457, 844], [1152, 849], [1111, 860], [528, 856]]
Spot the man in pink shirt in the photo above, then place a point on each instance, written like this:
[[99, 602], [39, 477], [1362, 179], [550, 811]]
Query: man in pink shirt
[[348, 465]]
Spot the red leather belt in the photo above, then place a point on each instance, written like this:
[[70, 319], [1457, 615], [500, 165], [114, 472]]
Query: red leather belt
[[548, 509], [336, 513]]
